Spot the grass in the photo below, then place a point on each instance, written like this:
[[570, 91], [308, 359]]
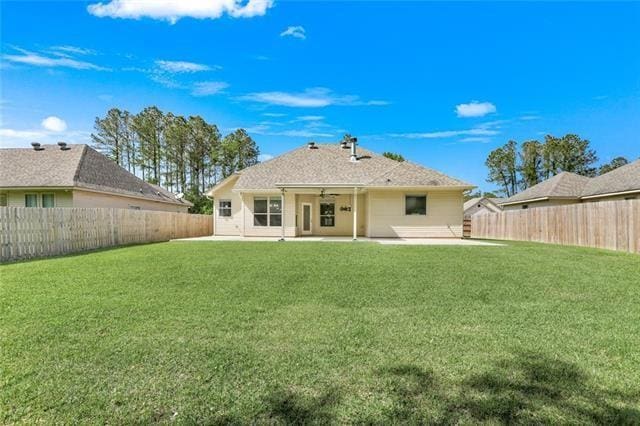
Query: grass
[[233, 332]]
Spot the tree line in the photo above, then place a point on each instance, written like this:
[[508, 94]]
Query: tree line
[[182, 154], [515, 168]]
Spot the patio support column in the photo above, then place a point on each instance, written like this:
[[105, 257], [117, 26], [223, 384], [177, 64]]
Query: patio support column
[[242, 213], [355, 213], [282, 214]]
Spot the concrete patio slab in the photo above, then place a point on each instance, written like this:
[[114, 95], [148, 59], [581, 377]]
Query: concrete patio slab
[[384, 241]]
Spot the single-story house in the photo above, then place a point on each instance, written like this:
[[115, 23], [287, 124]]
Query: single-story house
[[481, 205], [622, 183], [76, 176], [338, 190]]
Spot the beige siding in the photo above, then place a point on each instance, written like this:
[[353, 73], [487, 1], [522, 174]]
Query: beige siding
[[387, 215], [228, 225], [535, 204], [62, 198], [101, 200]]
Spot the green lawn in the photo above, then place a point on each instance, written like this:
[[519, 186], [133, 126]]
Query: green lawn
[[231, 332]]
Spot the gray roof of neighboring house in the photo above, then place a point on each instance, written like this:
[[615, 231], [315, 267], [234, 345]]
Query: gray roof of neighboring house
[[329, 164], [625, 178], [562, 185], [473, 201], [571, 185], [79, 167]]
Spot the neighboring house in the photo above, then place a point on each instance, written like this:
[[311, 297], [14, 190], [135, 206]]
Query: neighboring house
[[330, 189], [481, 204], [568, 188], [76, 176]]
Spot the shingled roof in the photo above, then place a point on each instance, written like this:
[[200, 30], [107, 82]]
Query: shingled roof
[[622, 179], [79, 167], [329, 164], [572, 186], [563, 185]]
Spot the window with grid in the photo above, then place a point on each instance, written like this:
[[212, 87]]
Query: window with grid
[[327, 214], [224, 208], [267, 211]]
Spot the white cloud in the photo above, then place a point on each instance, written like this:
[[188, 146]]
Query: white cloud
[[183, 67], [173, 10], [13, 138], [54, 124], [264, 157], [207, 88], [530, 117], [296, 31], [273, 114], [40, 60], [480, 139], [310, 118], [446, 134], [73, 50], [475, 109], [316, 97], [480, 133]]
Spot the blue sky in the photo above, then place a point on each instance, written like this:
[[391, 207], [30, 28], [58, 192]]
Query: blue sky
[[441, 83]]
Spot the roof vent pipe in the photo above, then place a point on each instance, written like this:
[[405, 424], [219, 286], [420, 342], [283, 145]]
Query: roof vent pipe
[[311, 145], [354, 155], [63, 146], [36, 146]]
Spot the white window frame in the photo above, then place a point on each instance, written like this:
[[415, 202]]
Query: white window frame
[[269, 213], [224, 209], [328, 215], [42, 199], [33, 194], [426, 204]]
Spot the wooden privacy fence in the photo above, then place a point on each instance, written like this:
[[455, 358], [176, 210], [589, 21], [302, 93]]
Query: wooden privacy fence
[[611, 225], [27, 232]]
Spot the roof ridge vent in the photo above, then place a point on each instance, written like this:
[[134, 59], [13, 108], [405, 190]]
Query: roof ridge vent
[[63, 146], [37, 147], [312, 145]]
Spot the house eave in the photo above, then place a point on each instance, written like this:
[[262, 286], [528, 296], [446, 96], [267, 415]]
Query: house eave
[[611, 194]]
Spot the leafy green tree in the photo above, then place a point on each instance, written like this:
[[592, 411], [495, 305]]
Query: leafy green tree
[[177, 142], [111, 134], [531, 160], [239, 151], [614, 164], [204, 138], [501, 163], [393, 156], [149, 127], [567, 154]]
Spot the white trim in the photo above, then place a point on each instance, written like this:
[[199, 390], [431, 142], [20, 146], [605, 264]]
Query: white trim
[[530, 200], [610, 194]]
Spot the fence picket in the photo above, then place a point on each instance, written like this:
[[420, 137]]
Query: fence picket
[[28, 232], [612, 225]]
